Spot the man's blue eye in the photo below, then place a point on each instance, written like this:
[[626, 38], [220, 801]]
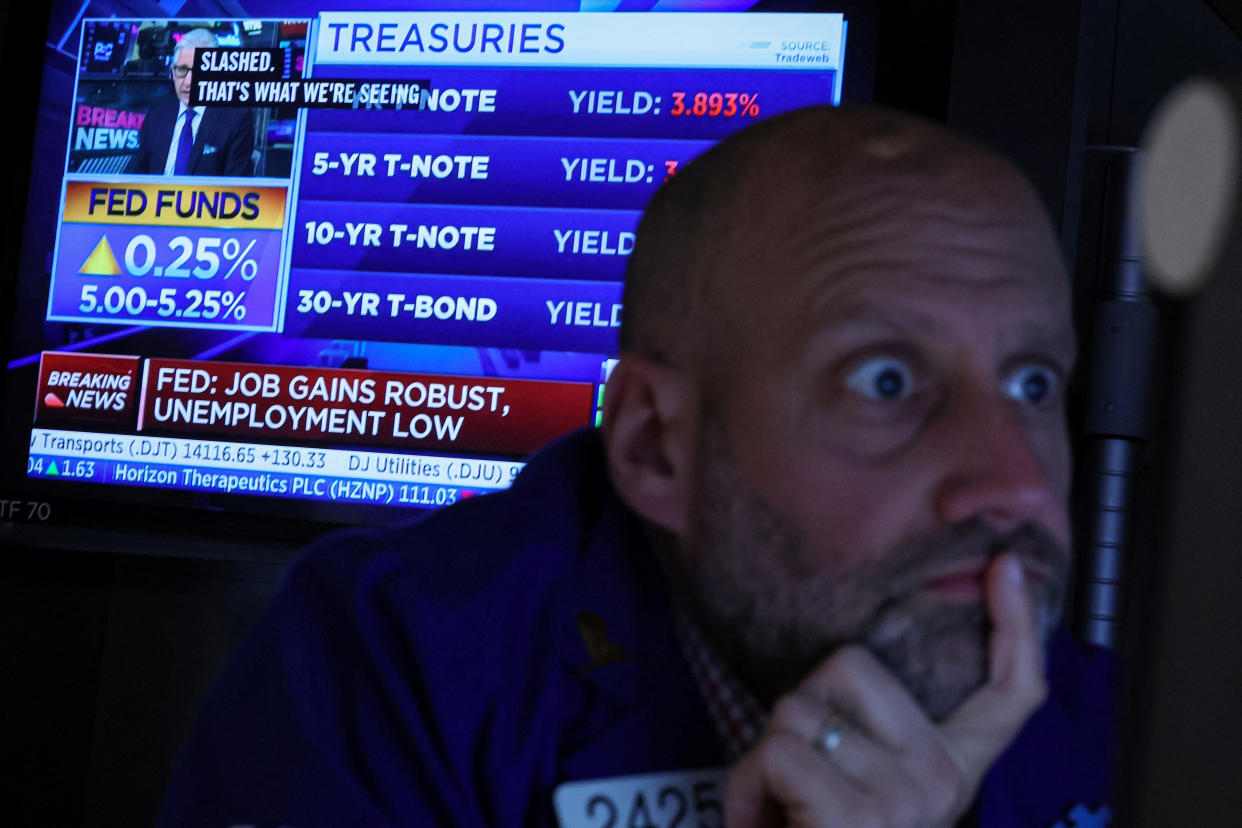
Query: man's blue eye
[[1034, 384], [883, 379]]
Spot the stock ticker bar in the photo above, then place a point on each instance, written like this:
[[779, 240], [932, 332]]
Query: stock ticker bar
[[297, 471]]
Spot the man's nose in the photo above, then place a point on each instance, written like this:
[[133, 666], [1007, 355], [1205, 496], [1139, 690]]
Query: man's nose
[[992, 471]]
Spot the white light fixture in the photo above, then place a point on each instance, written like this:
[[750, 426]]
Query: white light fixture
[[1188, 185]]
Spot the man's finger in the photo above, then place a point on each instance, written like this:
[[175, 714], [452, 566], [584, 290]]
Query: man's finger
[[987, 721]]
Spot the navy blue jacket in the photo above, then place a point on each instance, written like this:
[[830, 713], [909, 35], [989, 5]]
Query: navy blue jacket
[[223, 145], [437, 675]]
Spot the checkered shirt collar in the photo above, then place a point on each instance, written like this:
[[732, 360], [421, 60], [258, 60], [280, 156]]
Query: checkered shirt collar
[[738, 718]]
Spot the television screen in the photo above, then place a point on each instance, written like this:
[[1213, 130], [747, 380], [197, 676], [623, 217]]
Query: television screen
[[322, 263]]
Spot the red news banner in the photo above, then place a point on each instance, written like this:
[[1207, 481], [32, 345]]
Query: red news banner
[[425, 411]]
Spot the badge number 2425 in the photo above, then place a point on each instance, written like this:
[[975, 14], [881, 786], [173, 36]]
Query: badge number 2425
[[676, 799]]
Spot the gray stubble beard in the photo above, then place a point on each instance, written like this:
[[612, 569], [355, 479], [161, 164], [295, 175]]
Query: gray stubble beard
[[772, 625]]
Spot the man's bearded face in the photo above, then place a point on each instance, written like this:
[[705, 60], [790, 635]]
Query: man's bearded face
[[773, 624], [880, 411]]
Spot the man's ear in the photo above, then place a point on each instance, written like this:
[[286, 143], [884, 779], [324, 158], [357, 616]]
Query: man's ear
[[650, 413]]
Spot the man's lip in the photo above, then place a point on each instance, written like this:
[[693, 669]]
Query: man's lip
[[962, 581], [965, 579]]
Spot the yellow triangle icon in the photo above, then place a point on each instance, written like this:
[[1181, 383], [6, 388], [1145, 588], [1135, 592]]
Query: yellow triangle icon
[[101, 262]]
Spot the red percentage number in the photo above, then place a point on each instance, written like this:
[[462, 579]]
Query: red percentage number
[[715, 104]]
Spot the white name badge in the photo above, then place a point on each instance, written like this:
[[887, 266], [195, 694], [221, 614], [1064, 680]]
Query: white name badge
[[674, 799]]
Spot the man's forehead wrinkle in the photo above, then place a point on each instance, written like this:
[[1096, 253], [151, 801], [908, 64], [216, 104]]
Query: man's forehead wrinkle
[[811, 216], [840, 244], [834, 289], [1035, 325], [985, 254], [831, 316], [799, 265], [887, 146]]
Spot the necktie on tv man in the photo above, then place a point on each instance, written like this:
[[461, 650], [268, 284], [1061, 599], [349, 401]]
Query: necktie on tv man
[[185, 144]]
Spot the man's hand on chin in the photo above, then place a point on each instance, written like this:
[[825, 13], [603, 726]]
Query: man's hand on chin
[[850, 747]]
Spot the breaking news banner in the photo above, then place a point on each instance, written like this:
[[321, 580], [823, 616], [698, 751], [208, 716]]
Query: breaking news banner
[[253, 78], [340, 405], [428, 411], [87, 389]]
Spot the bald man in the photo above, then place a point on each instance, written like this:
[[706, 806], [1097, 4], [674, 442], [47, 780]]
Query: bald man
[[808, 572]]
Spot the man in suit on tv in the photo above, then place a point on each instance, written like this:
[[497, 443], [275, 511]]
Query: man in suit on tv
[[179, 139]]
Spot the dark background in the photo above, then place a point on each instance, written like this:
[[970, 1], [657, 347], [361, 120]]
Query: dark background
[[106, 653]]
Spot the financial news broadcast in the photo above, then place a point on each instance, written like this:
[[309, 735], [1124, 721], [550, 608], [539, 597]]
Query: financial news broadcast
[[357, 257]]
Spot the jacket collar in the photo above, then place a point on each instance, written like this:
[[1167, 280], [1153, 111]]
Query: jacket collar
[[633, 704]]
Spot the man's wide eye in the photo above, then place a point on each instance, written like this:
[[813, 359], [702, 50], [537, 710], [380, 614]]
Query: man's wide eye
[[882, 379], [1034, 384]]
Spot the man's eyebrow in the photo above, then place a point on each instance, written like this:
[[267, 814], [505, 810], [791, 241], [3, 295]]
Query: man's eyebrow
[[1060, 343], [1054, 337]]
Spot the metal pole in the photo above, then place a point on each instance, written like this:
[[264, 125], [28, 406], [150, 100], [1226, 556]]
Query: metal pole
[[1116, 429]]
